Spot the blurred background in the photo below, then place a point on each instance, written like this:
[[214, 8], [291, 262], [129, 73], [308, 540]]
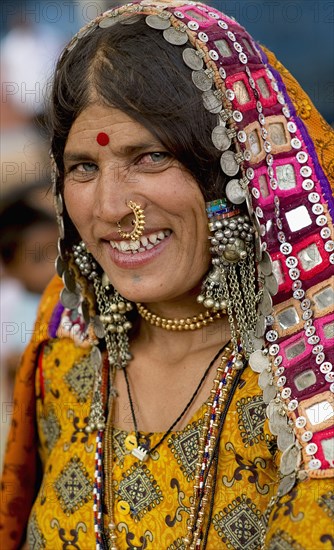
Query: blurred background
[[32, 35]]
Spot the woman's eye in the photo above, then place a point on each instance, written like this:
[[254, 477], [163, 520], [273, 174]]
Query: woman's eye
[[154, 158], [84, 167]]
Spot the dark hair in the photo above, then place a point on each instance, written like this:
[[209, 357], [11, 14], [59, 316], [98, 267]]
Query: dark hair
[[133, 68]]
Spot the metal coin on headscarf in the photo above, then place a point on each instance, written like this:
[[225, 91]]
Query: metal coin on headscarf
[[192, 59], [69, 299], [285, 438], [95, 356], [266, 304], [271, 284], [157, 22], [201, 80], [269, 393], [260, 326], [220, 138], [258, 361], [289, 460], [211, 102], [177, 38], [265, 378], [265, 265], [286, 484], [60, 266], [277, 422], [129, 20], [234, 192], [228, 163], [109, 22], [98, 327], [69, 280]]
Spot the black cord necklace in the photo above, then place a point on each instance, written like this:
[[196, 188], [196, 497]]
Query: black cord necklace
[[142, 452]]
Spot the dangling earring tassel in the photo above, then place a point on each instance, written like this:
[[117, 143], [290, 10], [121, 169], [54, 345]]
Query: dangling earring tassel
[[231, 284]]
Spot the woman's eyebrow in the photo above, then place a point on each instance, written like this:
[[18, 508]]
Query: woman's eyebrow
[[77, 157]]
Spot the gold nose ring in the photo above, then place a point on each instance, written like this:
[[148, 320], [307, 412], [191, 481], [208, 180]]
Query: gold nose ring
[[138, 222]]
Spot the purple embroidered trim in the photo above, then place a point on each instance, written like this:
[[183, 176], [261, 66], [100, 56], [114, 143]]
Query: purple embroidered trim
[[55, 320], [326, 189]]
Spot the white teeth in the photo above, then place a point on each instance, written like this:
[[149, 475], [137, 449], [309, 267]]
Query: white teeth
[[145, 243], [134, 245], [153, 238]]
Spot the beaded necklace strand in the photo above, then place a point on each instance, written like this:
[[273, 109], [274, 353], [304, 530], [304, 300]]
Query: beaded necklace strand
[[146, 452], [224, 385]]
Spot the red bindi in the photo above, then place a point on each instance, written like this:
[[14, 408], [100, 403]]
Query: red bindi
[[102, 139]]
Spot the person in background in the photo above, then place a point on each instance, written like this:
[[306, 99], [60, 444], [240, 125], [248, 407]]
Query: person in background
[[28, 245]]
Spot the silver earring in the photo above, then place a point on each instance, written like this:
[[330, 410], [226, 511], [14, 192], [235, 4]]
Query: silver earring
[[231, 284]]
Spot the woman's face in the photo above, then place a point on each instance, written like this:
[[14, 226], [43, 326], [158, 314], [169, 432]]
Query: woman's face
[[173, 253]]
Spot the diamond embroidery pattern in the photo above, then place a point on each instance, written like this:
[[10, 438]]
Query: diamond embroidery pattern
[[80, 379], [51, 429], [140, 490], [239, 524], [73, 486], [252, 415], [35, 538], [185, 446]]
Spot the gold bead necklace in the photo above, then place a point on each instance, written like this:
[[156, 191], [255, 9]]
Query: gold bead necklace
[[190, 323]]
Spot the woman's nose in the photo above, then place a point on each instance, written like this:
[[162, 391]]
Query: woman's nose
[[112, 195]]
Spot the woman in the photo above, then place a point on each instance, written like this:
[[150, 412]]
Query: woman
[[152, 426]]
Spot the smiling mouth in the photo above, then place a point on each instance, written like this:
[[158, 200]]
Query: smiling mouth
[[146, 242]]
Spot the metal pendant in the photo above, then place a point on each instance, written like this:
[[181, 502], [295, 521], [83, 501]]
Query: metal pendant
[[177, 38], [95, 356], [269, 393], [266, 265], [234, 192], [266, 304], [69, 281], [211, 102], [141, 453], [70, 300], [286, 484], [220, 138], [192, 59], [260, 326], [201, 80], [98, 327], [109, 22], [130, 20], [258, 361], [289, 460], [228, 163], [61, 265], [271, 284], [285, 438], [265, 378], [156, 22]]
